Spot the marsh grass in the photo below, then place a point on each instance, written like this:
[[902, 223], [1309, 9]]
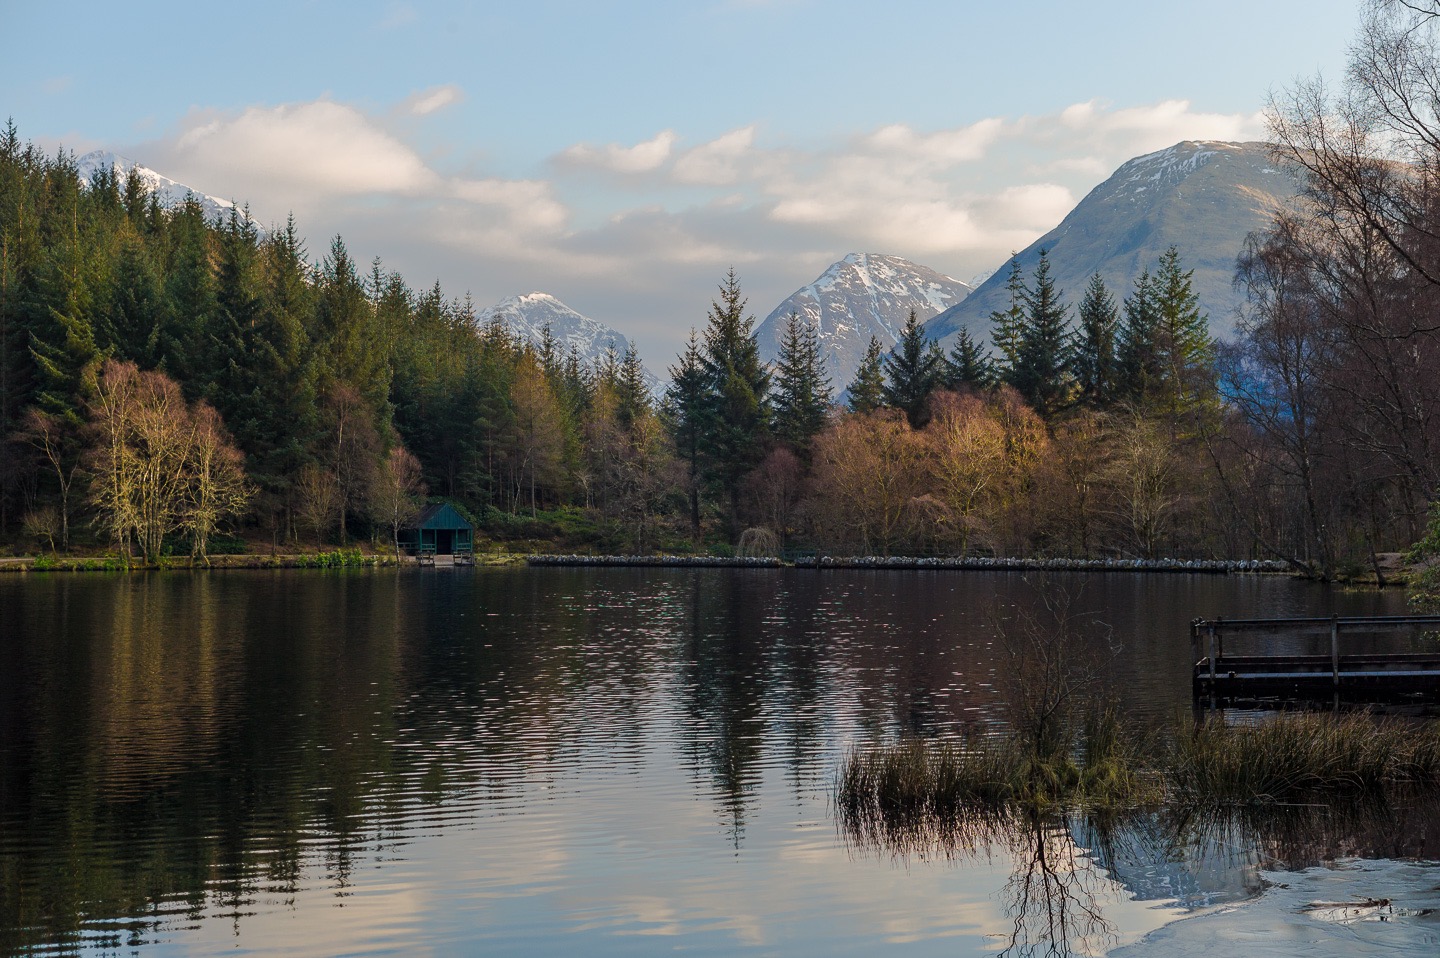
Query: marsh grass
[[1292, 758], [1303, 755]]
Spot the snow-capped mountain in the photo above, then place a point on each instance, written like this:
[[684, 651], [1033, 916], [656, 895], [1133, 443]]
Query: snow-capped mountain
[[863, 295], [1202, 197], [527, 316], [169, 192]]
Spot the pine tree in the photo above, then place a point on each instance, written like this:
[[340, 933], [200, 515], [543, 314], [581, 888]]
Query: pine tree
[[1137, 355], [631, 389], [130, 327], [231, 384], [1093, 362], [1008, 324], [686, 410], [967, 367], [912, 371], [184, 349], [1185, 350], [867, 389], [802, 388], [1039, 372], [282, 431], [737, 389]]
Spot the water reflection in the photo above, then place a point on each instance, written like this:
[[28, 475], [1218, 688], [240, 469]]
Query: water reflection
[[1069, 868], [182, 750]]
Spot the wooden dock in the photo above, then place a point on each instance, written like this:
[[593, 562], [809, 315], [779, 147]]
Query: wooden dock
[[1340, 673]]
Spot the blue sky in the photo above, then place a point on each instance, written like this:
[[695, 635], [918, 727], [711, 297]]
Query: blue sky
[[623, 155]]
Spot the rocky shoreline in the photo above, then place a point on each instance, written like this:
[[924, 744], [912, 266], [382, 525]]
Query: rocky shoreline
[[1211, 566]]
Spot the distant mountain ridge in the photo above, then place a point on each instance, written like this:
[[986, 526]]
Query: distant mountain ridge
[[527, 316], [1203, 197], [167, 191], [862, 295]]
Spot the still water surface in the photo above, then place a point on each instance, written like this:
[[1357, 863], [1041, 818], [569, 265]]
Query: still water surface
[[562, 761]]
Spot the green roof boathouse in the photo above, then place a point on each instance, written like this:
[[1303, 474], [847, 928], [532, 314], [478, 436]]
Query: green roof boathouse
[[439, 531]]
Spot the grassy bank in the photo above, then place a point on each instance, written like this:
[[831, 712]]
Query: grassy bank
[[332, 559]]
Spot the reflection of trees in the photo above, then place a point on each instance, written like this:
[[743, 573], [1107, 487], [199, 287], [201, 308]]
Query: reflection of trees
[[178, 746], [725, 655], [1053, 895], [1066, 866]]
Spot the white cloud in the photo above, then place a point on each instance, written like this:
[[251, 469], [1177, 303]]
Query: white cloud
[[528, 205], [717, 163], [1150, 127], [321, 147], [436, 98], [641, 158], [964, 144], [1034, 206]]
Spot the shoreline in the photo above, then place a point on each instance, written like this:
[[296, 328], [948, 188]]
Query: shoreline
[[923, 563], [352, 559]]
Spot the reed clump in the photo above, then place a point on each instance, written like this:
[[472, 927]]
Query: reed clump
[[1303, 755], [1103, 767], [916, 780]]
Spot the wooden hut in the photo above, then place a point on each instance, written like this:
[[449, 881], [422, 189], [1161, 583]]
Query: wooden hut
[[438, 530]]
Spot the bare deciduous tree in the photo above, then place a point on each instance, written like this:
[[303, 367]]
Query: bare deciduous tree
[[396, 490], [159, 466]]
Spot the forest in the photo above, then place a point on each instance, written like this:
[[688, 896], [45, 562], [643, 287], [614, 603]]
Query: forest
[[172, 385]]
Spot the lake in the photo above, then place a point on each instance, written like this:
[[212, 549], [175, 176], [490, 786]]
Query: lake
[[603, 761]]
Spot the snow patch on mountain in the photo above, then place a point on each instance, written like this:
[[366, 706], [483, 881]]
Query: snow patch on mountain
[[170, 193], [527, 316], [862, 295]]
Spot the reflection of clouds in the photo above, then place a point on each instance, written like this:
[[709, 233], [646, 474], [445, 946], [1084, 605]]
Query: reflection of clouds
[[373, 917]]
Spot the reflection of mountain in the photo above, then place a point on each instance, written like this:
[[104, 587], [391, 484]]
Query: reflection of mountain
[[1208, 868]]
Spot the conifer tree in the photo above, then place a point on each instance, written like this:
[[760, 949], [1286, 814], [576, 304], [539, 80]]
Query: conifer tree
[[686, 407], [1185, 349], [631, 389], [867, 389], [1093, 362], [1137, 356], [912, 371], [281, 433], [231, 386], [802, 388], [967, 367], [1040, 370], [1007, 324], [184, 348], [737, 390], [130, 328]]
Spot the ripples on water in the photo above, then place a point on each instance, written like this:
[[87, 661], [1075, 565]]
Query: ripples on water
[[530, 761]]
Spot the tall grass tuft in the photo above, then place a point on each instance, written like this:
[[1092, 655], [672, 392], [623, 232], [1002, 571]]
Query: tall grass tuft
[[914, 781], [1289, 759], [1298, 756]]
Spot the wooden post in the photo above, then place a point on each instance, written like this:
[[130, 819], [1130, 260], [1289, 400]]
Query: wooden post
[[1211, 627], [1335, 649]]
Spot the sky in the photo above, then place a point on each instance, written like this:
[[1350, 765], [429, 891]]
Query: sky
[[622, 156]]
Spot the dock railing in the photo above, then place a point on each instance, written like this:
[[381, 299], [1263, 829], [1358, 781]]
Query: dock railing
[[1219, 672]]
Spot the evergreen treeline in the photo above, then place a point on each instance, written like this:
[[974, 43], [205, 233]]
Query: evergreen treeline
[[164, 379], [327, 377]]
